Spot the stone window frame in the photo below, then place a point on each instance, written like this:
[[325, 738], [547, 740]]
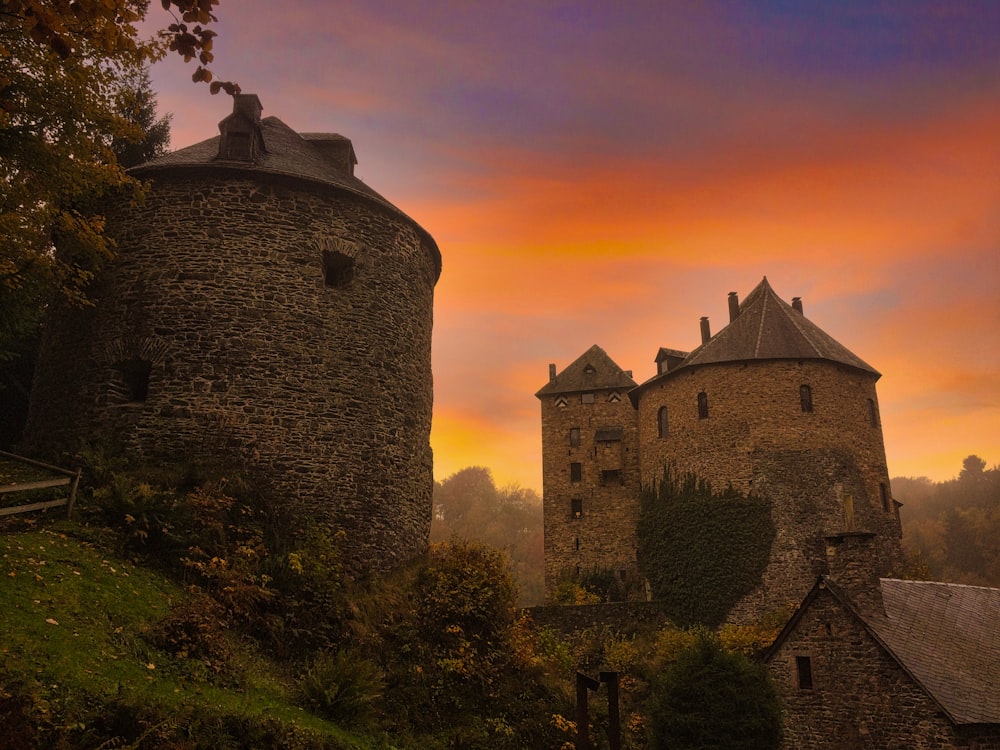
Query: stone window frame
[[576, 512], [803, 674], [574, 437], [338, 269], [806, 398], [662, 422], [702, 405], [131, 383], [576, 472]]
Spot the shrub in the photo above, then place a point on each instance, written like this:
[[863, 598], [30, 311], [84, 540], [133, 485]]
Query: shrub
[[342, 686]]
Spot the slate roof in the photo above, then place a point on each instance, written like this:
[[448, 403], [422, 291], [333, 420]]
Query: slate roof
[[592, 371], [767, 328], [946, 636], [287, 154]]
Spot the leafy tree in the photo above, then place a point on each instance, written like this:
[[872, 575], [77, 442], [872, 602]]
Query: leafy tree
[[713, 699], [62, 109]]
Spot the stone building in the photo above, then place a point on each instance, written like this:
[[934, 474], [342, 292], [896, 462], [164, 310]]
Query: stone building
[[771, 405], [871, 664], [268, 303]]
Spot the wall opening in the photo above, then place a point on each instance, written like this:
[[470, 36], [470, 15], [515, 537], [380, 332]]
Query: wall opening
[[576, 472], [703, 405], [806, 398], [135, 379], [338, 269], [611, 477], [872, 413], [576, 509], [574, 437], [662, 423], [803, 673]]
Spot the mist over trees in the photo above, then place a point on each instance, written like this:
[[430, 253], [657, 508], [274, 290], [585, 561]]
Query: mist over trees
[[469, 506], [950, 529]]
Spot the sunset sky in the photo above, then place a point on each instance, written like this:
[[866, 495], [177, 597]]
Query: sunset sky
[[606, 173]]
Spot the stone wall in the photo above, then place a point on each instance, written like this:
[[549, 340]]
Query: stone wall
[[860, 697], [602, 536], [822, 469], [219, 290]]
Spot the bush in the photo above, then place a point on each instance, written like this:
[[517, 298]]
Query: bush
[[712, 699], [342, 687]]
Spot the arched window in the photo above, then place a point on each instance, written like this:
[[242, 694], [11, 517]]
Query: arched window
[[135, 379], [703, 405], [662, 426], [338, 269], [806, 398]]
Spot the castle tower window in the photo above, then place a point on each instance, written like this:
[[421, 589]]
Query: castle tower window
[[135, 379], [662, 423], [703, 405], [611, 476], [577, 542], [586, 398], [338, 269], [872, 413], [576, 472], [574, 437], [803, 673], [576, 510], [883, 492], [806, 398]]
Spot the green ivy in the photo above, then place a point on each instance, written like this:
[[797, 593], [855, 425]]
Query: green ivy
[[700, 550]]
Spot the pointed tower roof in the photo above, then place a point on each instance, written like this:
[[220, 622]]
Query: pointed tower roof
[[593, 370], [767, 327]]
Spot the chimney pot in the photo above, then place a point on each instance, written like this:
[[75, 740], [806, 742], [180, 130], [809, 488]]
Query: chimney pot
[[706, 332], [797, 305], [734, 306], [552, 373]]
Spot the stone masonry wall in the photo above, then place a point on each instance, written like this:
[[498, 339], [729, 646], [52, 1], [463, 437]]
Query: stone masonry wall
[[219, 286], [860, 699], [603, 536], [811, 465]]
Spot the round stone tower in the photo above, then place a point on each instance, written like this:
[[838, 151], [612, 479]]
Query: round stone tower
[[264, 301], [774, 405]]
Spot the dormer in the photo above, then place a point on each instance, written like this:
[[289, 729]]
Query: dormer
[[241, 138], [337, 150]]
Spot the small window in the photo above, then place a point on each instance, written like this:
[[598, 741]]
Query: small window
[[884, 494], [338, 269], [703, 405], [135, 378], [662, 425], [611, 476], [578, 538], [806, 398], [576, 509], [574, 437], [586, 398], [803, 673], [237, 146], [576, 472], [872, 413]]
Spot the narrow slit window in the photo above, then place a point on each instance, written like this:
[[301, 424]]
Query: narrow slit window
[[574, 437], [576, 510], [872, 413], [703, 405], [662, 423], [884, 494], [806, 398]]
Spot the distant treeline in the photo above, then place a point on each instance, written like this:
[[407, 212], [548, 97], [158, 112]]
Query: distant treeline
[[950, 529]]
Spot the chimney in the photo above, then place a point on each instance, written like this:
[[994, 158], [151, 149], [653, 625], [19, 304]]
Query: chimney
[[734, 306], [797, 305], [706, 333], [552, 373], [852, 564], [249, 106]]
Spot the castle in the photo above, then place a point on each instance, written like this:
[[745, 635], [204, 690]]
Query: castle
[[770, 405], [264, 302]]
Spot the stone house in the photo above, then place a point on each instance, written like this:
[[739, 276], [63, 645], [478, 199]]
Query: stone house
[[882, 664], [267, 304], [771, 405]]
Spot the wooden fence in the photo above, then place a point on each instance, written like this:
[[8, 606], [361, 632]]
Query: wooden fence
[[69, 479]]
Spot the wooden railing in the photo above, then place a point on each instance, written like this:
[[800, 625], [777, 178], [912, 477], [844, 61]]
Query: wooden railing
[[69, 479]]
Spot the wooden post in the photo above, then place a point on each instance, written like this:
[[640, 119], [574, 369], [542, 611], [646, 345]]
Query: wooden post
[[614, 712], [583, 684], [72, 495]]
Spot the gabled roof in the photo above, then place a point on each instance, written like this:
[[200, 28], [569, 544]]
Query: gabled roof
[[287, 154], [767, 328], [946, 636], [592, 371]]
